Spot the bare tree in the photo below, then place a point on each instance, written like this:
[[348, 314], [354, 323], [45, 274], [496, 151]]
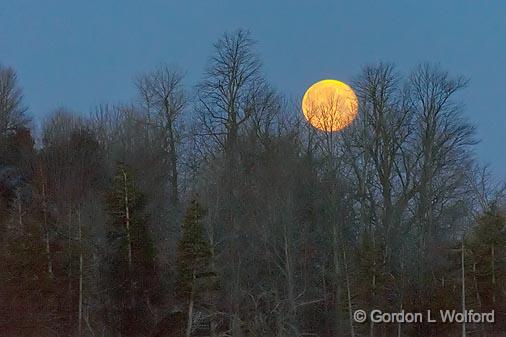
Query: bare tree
[[231, 84], [12, 110], [164, 99], [378, 160], [441, 145]]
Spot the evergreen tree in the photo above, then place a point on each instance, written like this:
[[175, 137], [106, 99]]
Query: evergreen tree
[[195, 277], [133, 279], [488, 244]]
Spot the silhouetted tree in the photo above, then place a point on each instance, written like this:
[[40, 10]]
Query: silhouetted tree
[[195, 277], [133, 276]]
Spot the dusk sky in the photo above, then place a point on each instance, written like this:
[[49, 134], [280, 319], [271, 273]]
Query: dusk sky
[[79, 54]]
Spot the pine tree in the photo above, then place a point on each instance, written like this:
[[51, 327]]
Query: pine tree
[[488, 243], [195, 277], [132, 276]]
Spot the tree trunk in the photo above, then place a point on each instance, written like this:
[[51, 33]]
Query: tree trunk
[[324, 291], [69, 273], [478, 297], [463, 294], [128, 234], [173, 167], [46, 234], [338, 283], [80, 315], [373, 281], [212, 310], [289, 275], [348, 291], [190, 307], [493, 273], [127, 221], [399, 326], [476, 289]]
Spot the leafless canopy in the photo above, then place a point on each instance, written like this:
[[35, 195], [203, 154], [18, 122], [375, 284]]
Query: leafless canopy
[[232, 84], [12, 110]]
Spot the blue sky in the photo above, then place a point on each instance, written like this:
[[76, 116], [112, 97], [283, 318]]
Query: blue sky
[[82, 53]]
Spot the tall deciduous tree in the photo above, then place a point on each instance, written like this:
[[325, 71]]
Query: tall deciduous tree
[[232, 81], [442, 138], [164, 99], [12, 109]]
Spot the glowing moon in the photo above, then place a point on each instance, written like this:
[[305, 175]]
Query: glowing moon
[[330, 105]]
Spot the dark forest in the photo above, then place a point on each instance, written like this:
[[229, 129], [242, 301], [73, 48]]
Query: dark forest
[[215, 209]]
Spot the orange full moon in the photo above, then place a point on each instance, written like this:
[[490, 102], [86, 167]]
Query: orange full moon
[[330, 105]]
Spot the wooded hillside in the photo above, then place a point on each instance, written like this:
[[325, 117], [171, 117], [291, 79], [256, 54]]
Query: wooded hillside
[[214, 209]]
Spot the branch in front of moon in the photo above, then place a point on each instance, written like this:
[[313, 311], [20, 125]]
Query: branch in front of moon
[[330, 105]]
